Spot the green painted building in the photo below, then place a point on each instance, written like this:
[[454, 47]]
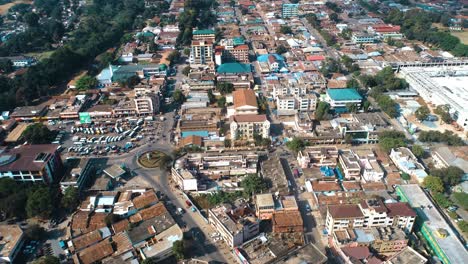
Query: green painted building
[[441, 239]]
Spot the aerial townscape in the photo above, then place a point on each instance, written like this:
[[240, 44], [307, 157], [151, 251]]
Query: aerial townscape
[[234, 131]]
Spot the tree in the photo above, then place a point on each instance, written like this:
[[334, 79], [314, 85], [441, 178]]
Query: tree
[[366, 105], [40, 203], [252, 183], [227, 143], [221, 102], [463, 225], [150, 261], [353, 83], [186, 51], [436, 136], [296, 144], [47, 260], [286, 30], [391, 139], [132, 81], [422, 113], [443, 112], [37, 133], [225, 87], [86, 82], [334, 17], [451, 175], [31, 19], [70, 199], [6, 66], [211, 96], [461, 198], [186, 70], [178, 248], [281, 49], [441, 200], [35, 232], [174, 57], [434, 184], [178, 96], [418, 151], [352, 107], [405, 176], [321, 113]]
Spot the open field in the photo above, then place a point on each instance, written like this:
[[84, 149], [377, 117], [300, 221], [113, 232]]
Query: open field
[[4, 8], [462, 35]]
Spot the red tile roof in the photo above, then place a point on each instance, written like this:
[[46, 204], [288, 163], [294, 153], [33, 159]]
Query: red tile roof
[[249, 118], [145, 199], [26, 156], [359, 253], [244, 97], [345, 211], [400, 209]]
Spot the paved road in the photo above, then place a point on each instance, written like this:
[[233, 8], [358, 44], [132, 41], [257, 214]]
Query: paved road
[[199, 229]]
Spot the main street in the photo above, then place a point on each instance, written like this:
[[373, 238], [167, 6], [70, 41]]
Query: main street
[[193, 222]]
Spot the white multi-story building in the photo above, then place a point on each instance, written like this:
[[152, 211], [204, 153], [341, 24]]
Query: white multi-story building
[[201, 52], [370, 213], [234, 226], [246, 126], [350, 164], [184, 179]]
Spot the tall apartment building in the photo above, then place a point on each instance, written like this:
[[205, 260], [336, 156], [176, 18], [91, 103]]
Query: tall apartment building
[[235, 224], [290, 10], [350, 164], [31, 163], [201, 51], [370, 213], [246, 126]]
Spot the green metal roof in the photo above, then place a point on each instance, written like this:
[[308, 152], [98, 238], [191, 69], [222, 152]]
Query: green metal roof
[[344, 94], [238, 41], [203, 32], [234, 67]]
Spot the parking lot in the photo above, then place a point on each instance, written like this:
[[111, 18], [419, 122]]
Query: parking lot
[[107, 138]]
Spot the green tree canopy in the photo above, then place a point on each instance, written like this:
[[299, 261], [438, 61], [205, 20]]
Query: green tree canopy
[[86, 82], [418, 151], [281, 49], [462, 199], [178, 96], [296, 144], [225, 87], [186, 70], [422, 113], [47, 260], [38, 133], [221, 102], [253, 183], [321, 113], [451, 175], [286, 30], [434, 184], [70, 199], [178, 247], [40, 203], [441, 200], [391, 139]]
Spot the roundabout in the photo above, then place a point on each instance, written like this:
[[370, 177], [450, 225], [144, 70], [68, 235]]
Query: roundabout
[[153, 159]]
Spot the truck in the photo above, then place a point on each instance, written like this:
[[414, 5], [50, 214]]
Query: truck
[[180, 210]]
